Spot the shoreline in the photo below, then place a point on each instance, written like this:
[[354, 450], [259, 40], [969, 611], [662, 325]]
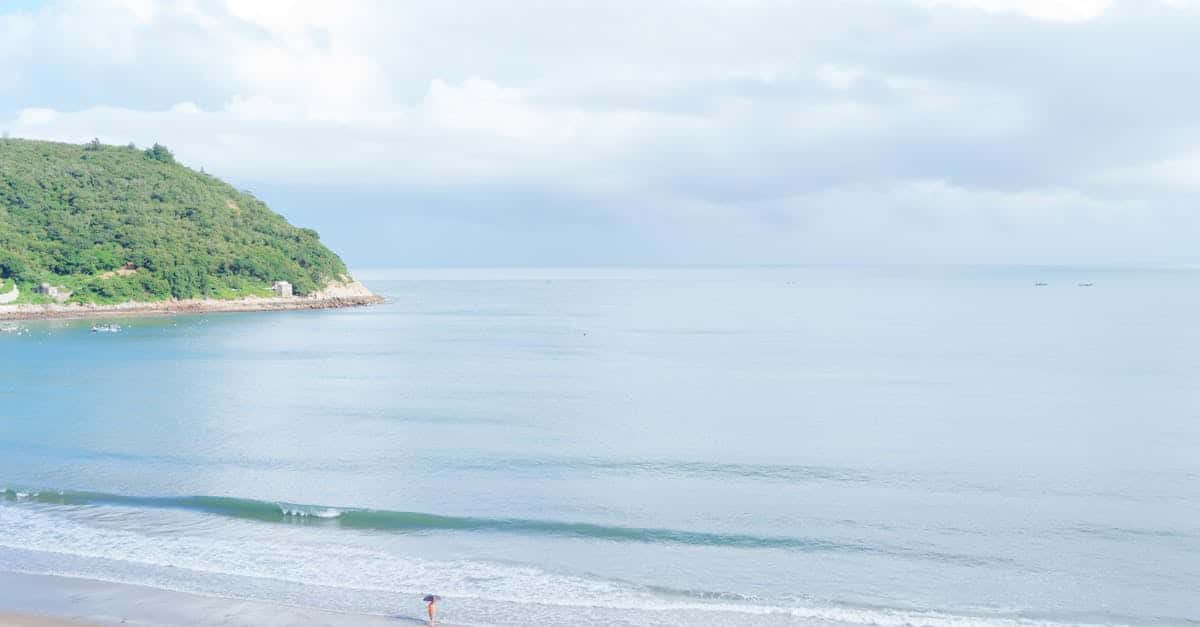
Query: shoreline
[[9, 619], [37, 600], [335, 296]]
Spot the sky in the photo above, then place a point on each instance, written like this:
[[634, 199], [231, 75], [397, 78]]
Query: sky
[[714, 132]]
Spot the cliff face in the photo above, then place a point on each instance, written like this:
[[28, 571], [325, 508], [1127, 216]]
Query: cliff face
[[346, 290], [113, 224]]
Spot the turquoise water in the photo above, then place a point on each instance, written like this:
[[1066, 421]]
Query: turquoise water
[[784, 446]]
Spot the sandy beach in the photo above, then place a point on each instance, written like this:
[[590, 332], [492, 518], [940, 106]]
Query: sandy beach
[[335, 296], [51, 601], [24, 620]]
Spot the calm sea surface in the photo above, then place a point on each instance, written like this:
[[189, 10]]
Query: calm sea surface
[[792, 446]]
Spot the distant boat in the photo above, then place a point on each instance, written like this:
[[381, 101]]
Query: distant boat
[[10, 328], [1040, 284], [106, 328], [1085, 284]]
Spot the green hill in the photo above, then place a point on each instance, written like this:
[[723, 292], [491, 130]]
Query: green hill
[[115, 223]]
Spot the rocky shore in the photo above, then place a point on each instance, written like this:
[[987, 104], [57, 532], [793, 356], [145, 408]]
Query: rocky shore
[[336, 295]]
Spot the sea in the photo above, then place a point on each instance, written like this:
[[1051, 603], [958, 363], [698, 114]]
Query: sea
[[896, 446]]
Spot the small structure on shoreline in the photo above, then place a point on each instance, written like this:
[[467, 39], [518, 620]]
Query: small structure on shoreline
[[282, 288], [57, 293]]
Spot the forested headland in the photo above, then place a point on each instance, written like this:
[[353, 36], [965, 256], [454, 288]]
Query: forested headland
[[112, 224]]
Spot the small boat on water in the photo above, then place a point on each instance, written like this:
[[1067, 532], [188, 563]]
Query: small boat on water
[[1040, 284], [11, 328], [106, 328], [1085, 284]]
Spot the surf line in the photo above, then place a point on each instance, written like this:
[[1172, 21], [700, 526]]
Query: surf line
[[401, 521]]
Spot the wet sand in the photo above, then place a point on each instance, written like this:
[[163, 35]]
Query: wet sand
[[25, 620], [53, 601]]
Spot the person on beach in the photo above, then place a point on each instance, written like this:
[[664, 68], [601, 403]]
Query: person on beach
[[431, 601]]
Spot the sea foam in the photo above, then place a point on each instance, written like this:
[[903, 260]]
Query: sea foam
[[297, 565]]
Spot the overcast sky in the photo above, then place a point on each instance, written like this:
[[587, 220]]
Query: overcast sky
[[623, 132]]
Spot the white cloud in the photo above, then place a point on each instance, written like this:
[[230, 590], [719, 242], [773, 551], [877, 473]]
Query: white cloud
[[334, 85], [1054, 10], [1179, 172], [457, 133], [927, 220], [911, 113], [16, 36], [96, 32], [142, 10], [30, 119], [483, 106], [927, 206], [185, 108], [838, 77], [942, 203]]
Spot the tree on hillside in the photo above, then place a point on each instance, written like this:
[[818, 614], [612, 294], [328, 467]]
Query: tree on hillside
[[12, 267], [160, 152]]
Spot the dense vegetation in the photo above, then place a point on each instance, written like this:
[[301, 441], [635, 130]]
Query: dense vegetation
[[115, 223]]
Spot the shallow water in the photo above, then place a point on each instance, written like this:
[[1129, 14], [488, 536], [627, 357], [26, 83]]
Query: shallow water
[[742, 446]]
